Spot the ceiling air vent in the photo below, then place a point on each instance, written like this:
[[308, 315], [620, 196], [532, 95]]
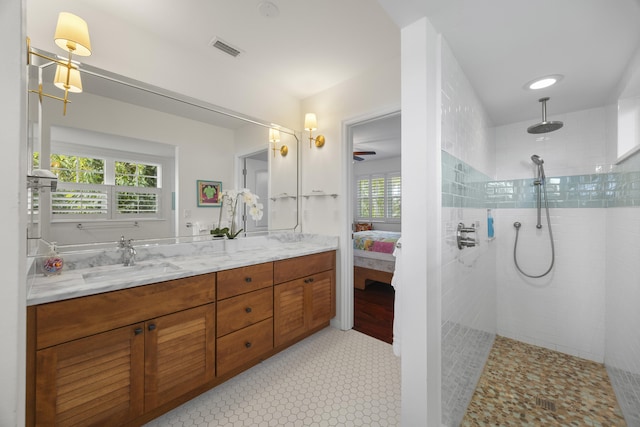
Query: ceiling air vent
[[225, 47]]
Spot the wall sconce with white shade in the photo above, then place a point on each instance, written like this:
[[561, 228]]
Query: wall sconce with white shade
[[274, 138], [311, 124], [72, 35]]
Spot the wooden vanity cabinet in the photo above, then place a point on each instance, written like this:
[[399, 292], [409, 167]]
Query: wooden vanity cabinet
[[127, 363], [122, 358], [304, 296], [245, 316]]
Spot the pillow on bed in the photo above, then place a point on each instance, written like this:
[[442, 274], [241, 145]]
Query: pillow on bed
[[383, 247], [363, 226]]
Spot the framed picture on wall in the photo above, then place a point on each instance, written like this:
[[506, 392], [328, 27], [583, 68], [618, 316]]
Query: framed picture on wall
[[209, 193]]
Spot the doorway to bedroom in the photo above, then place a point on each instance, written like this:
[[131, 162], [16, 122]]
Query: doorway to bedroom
[[376, 201]]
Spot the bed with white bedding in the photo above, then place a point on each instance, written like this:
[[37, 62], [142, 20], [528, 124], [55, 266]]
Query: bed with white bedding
[[373, 258]]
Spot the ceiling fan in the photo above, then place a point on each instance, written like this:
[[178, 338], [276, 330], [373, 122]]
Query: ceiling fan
[[357, 154]]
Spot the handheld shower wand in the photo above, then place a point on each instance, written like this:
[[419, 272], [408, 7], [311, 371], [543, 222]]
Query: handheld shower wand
[[539, 181]]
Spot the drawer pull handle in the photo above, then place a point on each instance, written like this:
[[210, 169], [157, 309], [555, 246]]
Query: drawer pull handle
[[247, 344], [247, 279], [137, 331], [248, 309], [309, 280], [152, 327]]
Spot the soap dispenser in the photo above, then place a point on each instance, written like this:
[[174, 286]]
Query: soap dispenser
[[53, 262], [490, 231]]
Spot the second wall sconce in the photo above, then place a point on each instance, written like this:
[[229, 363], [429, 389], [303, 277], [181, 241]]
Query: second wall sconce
[[311, 124], [274, 138], [72, 35]]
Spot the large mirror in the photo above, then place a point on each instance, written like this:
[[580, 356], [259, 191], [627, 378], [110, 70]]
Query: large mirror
[[139, 161]]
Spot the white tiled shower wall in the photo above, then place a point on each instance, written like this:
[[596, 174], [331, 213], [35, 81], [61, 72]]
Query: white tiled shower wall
[[623, 290], [565, 310], [468, 276], [622, 337]]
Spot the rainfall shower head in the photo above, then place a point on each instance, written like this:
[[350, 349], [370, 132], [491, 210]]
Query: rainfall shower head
[[537, 160], [544, 126]]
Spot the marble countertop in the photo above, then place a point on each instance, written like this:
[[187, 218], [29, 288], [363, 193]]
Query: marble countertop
[[168, 262]]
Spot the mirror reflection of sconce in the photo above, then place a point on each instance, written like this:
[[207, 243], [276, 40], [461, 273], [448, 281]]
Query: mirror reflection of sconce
[[72, 35], [274, 138], [311, 124]]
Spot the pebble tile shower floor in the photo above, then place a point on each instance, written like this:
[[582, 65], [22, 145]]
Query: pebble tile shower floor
[[334, 377], [526, 385]]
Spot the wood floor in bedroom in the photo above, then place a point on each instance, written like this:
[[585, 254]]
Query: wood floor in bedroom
[[373, 311]]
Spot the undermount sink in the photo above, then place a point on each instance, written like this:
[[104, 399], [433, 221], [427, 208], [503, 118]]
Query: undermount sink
[[118, 272]]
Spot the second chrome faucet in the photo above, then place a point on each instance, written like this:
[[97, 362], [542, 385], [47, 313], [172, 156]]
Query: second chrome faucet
[[128, 251]]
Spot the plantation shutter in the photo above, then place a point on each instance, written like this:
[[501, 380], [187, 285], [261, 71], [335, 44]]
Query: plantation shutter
[[394, 196], [378, 197]]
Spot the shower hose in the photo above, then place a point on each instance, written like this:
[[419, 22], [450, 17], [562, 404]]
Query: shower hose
[[515, 245]]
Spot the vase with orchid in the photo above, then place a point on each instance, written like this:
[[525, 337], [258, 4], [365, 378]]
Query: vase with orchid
[[230, 200]]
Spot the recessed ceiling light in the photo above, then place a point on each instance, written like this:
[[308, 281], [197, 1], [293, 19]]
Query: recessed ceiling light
[[268, 9], [543, 82]]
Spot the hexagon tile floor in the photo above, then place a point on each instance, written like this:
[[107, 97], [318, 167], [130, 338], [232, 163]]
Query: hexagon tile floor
[[332, 378]]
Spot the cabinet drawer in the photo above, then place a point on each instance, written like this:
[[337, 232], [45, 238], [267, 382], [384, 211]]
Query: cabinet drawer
[[243, 346], [244, 310], [294, 268], [245, 279], [63, 321]]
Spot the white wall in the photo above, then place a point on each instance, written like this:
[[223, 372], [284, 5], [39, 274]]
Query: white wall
[[467, 134], [466, 128], [12, 215], [468, 275], [577, 148], [377, 90], [623, 291], [325, 169], [420, 272], [565, 310], [373, 165], [622, 336]]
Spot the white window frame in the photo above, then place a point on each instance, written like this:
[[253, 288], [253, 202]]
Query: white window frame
[[386, 218], [109, 188]]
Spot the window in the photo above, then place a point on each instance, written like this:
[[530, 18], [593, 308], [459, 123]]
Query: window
[[105, 188], [379, 197], [78, 169]]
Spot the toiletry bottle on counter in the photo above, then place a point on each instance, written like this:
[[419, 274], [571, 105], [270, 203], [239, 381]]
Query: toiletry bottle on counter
[[53, 262], [489, 224]]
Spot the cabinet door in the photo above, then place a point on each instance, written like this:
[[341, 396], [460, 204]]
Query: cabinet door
[[319, 288], [180, 351], [96, 380], [288, 311]]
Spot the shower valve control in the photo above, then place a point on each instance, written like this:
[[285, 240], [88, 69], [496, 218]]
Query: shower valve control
[[462, 236]]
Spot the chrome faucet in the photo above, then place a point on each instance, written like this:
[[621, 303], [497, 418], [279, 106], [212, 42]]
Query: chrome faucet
[[129, 252]]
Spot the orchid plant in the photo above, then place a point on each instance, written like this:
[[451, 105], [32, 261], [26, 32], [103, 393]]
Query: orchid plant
[[230, 199]]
